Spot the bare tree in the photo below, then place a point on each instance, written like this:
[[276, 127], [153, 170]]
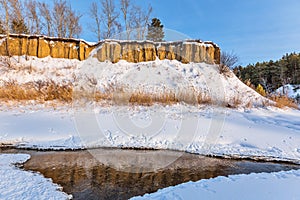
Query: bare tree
[[17, 19], [2, 29], [46, 15], [6, 8], [94, 13], [140, 20], [136, 18], [125, 7], [61, 20], [110, 16], [58, 16], [33, 20], [265, 84], [73, 23], [16, 7], [146, 21], [229, 59]]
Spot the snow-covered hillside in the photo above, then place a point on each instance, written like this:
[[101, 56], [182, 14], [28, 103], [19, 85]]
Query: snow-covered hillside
[[292, 91], [159, 80]]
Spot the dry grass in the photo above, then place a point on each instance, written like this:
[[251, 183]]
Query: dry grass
[[139, 97], [235, 102], [204, 99], [283, 101], [48, 91], [45, 91], [223, 69]]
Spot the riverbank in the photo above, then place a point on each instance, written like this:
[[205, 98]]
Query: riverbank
[[121, 174], [262, 133]]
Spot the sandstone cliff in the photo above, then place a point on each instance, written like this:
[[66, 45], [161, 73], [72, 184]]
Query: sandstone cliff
[[112, 50]]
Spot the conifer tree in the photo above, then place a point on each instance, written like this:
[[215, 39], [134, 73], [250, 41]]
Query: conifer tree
[[272, 74], [19, 26], [155, 31]]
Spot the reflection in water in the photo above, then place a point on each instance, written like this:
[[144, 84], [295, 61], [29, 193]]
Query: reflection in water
[[85, 177]]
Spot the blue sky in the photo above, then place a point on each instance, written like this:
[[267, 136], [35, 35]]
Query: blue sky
[[256, 30]]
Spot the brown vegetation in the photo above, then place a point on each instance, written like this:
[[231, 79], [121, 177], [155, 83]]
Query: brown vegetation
[[47, 91], [41, 91], [283, 101]]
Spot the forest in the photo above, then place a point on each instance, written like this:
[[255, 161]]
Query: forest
[[272, 74]]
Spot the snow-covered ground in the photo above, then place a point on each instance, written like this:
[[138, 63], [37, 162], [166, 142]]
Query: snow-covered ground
[[214, 129], [279, 185], [266, 133], [292, 91], [258, 132], [19, 184]]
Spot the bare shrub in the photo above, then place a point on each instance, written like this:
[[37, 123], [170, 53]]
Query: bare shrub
[[5, 63], [223, 69], [203, 98], [283, 101], [234, 102], [249, 104], [229, 59]]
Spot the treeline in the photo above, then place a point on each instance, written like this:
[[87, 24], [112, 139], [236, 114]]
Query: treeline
[[273, 74], [59, 19]]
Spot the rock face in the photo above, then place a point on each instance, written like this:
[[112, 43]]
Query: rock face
[[42, 46], [111, 50], [143, 51]]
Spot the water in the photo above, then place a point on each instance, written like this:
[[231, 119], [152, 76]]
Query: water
[[121, 174]]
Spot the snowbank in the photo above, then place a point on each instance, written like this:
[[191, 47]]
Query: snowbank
[[18, 184], [292, 91], [279, 185]]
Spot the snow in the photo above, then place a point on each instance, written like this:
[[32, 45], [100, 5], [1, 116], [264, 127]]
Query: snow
[[292, 91], [260, 133], [19, 184], [34, 69], [45, 127], [47, 38], [279, 185], [186, 81]]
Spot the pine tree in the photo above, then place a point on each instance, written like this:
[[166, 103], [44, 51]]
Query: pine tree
[[19, 27], [272, 74], [155, 31]]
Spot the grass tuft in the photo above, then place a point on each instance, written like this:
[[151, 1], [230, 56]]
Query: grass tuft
[[283, 101]]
